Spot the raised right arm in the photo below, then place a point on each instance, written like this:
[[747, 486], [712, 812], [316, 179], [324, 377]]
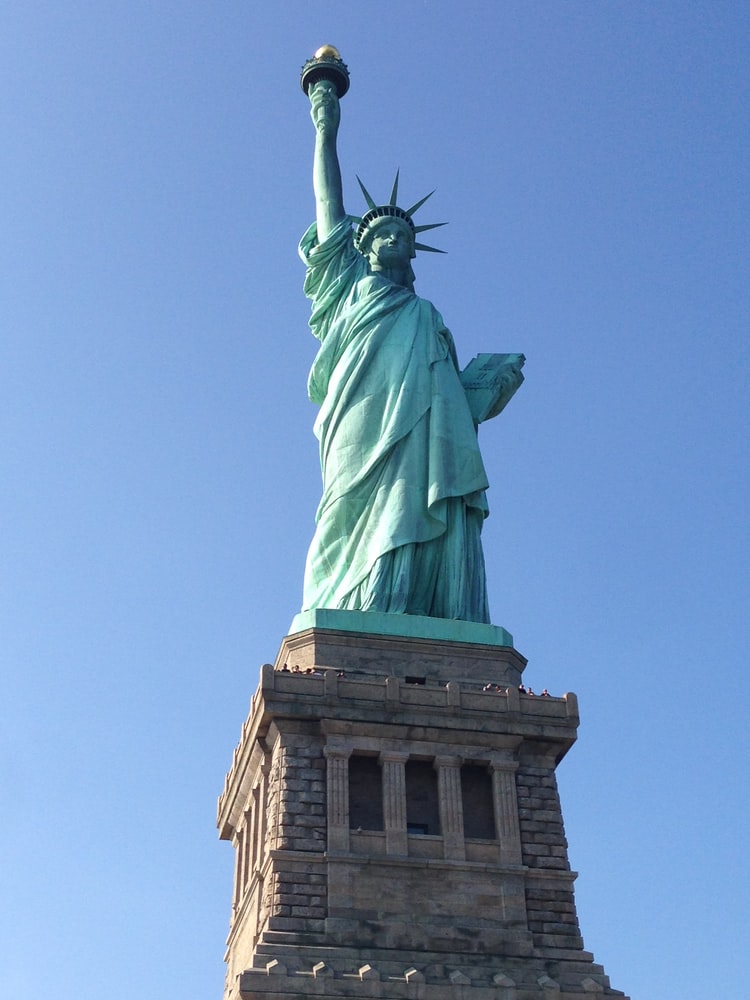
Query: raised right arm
[[329, 199]]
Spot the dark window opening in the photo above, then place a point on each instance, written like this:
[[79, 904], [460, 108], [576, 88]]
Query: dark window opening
[[365, 793], [476, 795], [415, 680], [422, 808]]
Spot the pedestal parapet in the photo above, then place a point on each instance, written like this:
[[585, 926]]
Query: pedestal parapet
[[398, 832]]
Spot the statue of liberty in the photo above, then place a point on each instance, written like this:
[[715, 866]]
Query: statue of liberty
[[398, 528]]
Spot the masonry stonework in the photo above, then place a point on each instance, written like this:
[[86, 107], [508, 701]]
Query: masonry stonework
[[393, 898]]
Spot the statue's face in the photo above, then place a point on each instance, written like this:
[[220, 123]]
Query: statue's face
[[391, 245]]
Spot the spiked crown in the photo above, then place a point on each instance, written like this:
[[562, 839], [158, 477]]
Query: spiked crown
[[391, 210]]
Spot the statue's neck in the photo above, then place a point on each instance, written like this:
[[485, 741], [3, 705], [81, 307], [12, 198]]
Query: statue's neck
[[398, 275]]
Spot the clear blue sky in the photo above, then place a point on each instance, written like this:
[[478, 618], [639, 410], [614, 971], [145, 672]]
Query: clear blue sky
[[159, 473]]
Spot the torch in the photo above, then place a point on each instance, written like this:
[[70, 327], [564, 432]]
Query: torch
[[326, 64]]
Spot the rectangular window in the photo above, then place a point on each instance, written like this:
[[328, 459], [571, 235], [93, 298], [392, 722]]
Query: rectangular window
[[422, 806], [365, 793], [476, 794]]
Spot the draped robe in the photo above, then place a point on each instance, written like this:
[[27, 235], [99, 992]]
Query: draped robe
[[398, 526]]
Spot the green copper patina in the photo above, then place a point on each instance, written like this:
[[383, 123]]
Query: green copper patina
[[399, 524]]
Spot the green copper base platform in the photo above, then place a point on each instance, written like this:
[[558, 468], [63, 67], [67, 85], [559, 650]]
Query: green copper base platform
[[409, 626]]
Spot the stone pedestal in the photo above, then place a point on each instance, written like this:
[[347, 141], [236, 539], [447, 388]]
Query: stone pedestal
[[397, 827]]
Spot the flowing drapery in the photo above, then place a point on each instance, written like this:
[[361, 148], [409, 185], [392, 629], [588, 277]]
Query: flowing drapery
[[399, 523]]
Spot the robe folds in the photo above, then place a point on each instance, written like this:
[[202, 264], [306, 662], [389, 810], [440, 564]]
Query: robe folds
[[398, 526]]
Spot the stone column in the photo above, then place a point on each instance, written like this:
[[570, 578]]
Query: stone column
[[254, 831], [247, 847], [261, 825], [239, 844], [506, 811], [337, 793], [394, 800], [451, 807]]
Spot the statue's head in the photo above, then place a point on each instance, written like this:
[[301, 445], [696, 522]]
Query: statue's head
[[388, 244], [382, 218], [390, 229]]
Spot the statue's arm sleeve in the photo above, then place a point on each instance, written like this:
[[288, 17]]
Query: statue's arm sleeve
[[448, 338], [333, 269]]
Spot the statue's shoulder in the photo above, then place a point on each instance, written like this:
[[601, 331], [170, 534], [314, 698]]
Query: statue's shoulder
[[339, 242]]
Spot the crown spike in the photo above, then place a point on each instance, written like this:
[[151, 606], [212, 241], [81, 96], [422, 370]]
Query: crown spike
[[394, 191], [368, 197], [423, 246], [431, 225], [414, 208]]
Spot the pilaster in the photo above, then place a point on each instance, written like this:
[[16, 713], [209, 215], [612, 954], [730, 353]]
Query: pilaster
[[451, 808], [506, 810], [337, 776], [394, 800]]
